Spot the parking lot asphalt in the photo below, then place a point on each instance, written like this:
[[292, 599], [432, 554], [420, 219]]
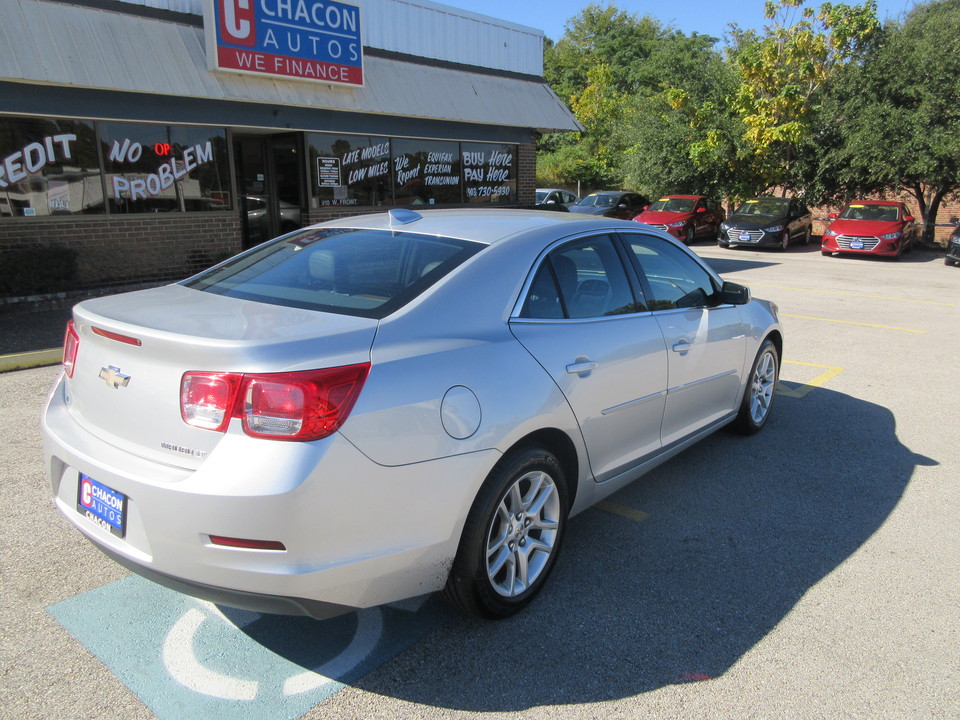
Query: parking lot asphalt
[[810, 571]]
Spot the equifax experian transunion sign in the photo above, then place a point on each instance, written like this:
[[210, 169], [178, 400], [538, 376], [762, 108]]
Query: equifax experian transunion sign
[[300, 39]]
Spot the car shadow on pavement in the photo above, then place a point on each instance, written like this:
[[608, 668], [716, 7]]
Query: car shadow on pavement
[[739, 529], [729, 265]]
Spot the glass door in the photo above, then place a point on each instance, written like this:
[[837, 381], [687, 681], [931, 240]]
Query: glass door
[[270, 184]]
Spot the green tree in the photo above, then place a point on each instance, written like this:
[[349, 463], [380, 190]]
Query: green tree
[[783, 70], [600, 35], [606, 62], [684, 138], [892, 122]]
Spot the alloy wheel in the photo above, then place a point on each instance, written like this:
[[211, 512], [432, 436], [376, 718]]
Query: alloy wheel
[[522, 534]]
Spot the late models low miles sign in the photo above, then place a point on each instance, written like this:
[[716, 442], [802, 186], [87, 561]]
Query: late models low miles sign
[[298, 39]]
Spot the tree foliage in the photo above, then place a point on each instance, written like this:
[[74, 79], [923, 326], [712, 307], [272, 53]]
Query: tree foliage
[[822, 102], [783, 70], [892, 122], [606, 61]]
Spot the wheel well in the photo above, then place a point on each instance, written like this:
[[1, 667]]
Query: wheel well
[[777, 339], [559, 443]]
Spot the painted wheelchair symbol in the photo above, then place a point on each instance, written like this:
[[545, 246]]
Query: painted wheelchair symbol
[[180, 658]]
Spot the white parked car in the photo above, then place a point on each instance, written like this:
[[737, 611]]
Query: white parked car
[[379, 407]]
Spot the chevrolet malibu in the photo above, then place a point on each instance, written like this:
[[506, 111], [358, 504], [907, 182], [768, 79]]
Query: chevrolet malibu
[[873, 227], [379, 407]]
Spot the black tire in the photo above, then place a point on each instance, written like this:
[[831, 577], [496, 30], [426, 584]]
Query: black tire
[[826, 252], [528, 527], [723, 244], [761, 387], [806, 236], [947, 261], [784, 241], [690, 235]]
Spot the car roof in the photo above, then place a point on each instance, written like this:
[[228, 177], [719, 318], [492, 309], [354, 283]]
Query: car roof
[[485, 225], [873, 202], [682, 197]]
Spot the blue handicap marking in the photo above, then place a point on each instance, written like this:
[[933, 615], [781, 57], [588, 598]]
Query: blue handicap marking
[[186, 658]]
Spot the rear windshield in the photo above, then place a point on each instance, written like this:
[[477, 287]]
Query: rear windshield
[[369, 273]]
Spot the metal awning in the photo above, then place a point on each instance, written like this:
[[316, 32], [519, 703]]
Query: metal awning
[[81, 47]]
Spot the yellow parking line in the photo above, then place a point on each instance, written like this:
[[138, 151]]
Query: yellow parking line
[[27, 360], [804, 388], [850, 322], [624, 511], [850, 294]]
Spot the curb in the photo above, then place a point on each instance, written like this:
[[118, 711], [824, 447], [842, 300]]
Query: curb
[[27, 360]]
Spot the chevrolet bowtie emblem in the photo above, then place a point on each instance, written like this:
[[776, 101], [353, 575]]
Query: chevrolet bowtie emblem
[[114, 378]]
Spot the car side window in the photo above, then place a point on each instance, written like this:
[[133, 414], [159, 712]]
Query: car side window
[[673, 278], [582, 279]]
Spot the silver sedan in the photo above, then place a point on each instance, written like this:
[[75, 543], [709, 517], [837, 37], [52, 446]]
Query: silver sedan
[[379, 407]]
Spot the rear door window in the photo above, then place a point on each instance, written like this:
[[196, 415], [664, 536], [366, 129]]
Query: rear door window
[[582, 279]]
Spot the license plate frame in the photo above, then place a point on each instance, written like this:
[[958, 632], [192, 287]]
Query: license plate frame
[[856, 244], [102, 505]]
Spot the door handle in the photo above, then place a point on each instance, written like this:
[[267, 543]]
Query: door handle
[[582, 366], [682, 347]]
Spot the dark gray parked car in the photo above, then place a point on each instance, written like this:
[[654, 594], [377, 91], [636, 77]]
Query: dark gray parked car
[[767, 221]]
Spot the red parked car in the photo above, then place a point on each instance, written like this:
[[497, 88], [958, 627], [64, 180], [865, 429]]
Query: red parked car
[[686, 217], [875, 227]]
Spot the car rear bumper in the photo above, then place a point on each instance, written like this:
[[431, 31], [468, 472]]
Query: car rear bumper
[[338, 515]]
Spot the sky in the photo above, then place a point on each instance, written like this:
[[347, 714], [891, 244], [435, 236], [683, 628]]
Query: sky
[[707, 17]]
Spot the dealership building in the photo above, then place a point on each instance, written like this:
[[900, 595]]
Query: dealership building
[[150, 138]]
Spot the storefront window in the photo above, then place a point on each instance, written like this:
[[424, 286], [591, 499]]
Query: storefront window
[[426, 172], [489, 172], [48, 167], [165, 168], [350, 169]]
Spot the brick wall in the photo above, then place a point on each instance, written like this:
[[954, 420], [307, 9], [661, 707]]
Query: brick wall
[[527, 172], [130, 248]]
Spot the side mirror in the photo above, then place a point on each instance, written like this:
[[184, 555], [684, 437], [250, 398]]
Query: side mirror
[[647, 207], [833, 216], [909, 218], [734, 294], [622, 205], [702, 209], [551, 202]]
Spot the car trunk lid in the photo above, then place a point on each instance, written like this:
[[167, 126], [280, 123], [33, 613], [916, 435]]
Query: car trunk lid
[[134, 349]]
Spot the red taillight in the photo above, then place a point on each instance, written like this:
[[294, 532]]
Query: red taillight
[[207, 400], [71, 344], [306, 405]]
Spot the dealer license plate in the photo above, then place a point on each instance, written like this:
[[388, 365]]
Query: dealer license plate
[[102, 505], [744, 237], [856, 244]]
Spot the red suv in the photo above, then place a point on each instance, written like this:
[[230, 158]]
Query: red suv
[[686, 217], [875, 227]]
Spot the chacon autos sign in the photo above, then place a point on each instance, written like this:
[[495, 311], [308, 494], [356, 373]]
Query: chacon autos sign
[[302, 39]]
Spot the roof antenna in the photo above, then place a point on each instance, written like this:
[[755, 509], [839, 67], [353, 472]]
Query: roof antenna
[[400, 216]]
